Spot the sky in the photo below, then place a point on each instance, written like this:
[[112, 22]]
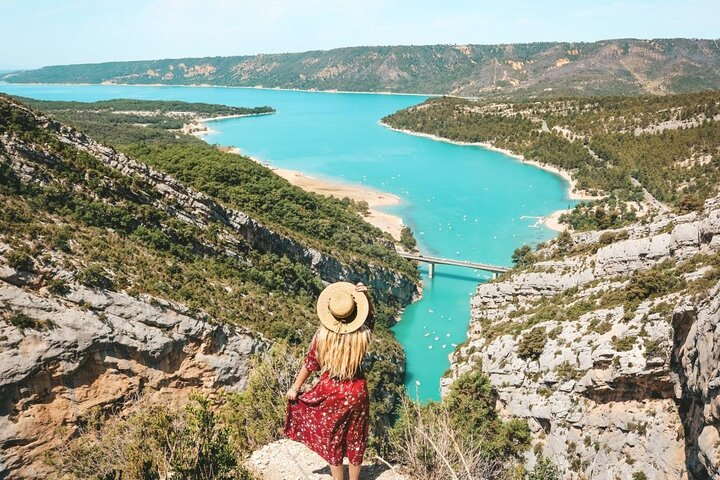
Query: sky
[[53, 32]]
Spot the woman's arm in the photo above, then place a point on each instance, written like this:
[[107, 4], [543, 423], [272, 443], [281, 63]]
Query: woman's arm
[[303, 375], [310, 364], [360, 287]]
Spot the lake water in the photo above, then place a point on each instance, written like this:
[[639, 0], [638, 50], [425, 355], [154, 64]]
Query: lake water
[[462, 202]]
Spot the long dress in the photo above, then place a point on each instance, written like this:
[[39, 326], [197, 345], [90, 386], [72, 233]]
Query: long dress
[[331, 418]]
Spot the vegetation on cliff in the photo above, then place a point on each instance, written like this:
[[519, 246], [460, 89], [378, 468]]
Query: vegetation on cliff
[[593, 337], [607, 67], [239, 182], [65, 209]]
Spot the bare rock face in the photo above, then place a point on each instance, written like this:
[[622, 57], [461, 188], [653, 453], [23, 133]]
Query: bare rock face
[[97, 349], [289, 460], [696, 362], [610, 388], [632, 254]]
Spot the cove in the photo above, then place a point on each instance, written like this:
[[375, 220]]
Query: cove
[[462, 202]]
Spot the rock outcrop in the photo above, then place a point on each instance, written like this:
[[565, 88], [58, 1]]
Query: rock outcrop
[[289, 460], [98, 349], [610, 350]]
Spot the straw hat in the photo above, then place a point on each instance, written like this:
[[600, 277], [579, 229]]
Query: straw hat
[[341, 308]]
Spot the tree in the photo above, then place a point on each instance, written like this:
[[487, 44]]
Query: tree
[[523, 256], [564, 241], [407, 239]]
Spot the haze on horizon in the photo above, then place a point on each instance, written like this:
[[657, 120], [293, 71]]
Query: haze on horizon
[[47, 32]]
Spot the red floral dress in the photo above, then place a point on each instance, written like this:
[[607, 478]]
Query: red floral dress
[[332, 418]]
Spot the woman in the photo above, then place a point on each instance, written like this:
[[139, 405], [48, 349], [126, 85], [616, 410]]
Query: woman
[[332, 418]]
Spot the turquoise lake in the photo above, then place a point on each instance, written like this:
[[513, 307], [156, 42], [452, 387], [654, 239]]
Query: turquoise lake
[[462, 202]]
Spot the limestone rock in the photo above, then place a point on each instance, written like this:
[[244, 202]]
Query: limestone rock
[[289, 460], [609, 393], [97, 357]]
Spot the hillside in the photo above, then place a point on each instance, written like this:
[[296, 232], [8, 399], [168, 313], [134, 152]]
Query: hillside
[[639, 153], [608, 67], [124, 288], [607, 343]]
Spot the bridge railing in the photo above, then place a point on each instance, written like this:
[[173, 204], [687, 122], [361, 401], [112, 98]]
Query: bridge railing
[[432, 261]]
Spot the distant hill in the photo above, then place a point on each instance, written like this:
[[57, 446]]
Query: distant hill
[[609, 67]]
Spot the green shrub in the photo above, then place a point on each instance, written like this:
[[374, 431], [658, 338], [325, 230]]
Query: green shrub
[[23, 321], [472, 401], [407, 239], [58, 286], [690, 203], [20, 259], [523, 256], [94, 277], [567, 371], [654, 349], [611, 237], [600, 327], [155, 441], [255, 416], [544, 470], [532, 344], [624, 344], [564, 241], [655, 282]]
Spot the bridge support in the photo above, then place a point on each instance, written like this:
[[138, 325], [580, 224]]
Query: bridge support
[[431, 270], [494, 275]]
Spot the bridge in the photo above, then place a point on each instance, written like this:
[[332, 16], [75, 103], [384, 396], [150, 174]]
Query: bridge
[[432, 261]]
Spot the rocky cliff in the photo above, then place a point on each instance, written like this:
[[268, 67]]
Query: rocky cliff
[[607, 345], [63, 357], [78, 335]]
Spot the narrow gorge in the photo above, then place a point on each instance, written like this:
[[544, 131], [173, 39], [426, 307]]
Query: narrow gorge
[[83, 334]]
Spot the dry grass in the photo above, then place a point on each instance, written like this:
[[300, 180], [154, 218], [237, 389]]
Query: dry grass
[[432, 449]]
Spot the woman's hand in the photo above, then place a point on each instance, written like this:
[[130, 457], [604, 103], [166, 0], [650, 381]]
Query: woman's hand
[[292, 394], [360, 287]]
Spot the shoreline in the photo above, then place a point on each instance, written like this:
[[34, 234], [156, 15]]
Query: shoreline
[[198, 128], [551, 221], [573, 192], [388, 223], [207, 85]]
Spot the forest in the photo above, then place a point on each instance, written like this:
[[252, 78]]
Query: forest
[[669, 144]]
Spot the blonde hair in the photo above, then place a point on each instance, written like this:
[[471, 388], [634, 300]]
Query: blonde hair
[[341, 354]]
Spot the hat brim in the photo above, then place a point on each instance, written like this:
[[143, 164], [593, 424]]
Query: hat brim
[[347, 325]]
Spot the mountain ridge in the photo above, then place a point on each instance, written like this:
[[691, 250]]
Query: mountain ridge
[[606, 67]]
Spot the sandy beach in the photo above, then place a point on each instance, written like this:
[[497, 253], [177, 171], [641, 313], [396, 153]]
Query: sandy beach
[[552, 221], [386, 222]]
